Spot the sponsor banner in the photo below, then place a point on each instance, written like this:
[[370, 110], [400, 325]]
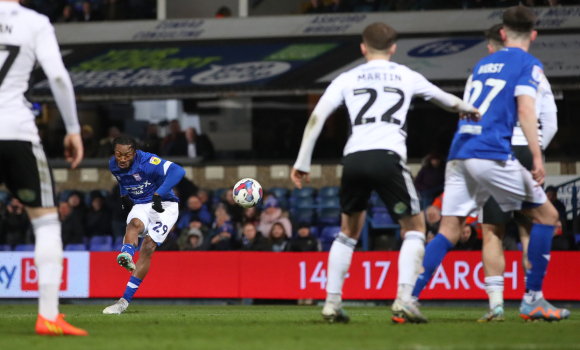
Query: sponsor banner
[[186, 66], [308, 25], [172, 275], [19, 275], [453, 58], [372, 276]]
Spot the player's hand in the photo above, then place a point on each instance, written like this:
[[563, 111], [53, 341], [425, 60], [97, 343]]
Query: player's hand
[[73, 149], [473, 116], [157, 203], [126, 204], [539, 173], [297, 175]]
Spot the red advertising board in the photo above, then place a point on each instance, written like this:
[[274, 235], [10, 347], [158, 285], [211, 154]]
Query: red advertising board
[[372, 276], [30, 275]]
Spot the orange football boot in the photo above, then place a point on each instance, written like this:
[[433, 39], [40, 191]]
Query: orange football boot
[[58, 327]]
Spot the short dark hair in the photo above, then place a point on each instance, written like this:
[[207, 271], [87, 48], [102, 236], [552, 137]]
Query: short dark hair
[[125, 140], [493, 33], [379, 36], [519, 19]]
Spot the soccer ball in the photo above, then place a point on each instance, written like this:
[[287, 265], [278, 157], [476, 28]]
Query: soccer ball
[[247, 193]]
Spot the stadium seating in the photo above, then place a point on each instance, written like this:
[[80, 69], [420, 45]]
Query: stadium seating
[[4, 195], [279, 192], [24, 248], [118, 244], [75, 248], [314, 231], [101, 240], [88, 203], [328, 192], [375, 201], [576, 238], [5, 248], [217, 194], [381, 219], [100, 247], [331, 214], [328, 236], [302, 192]]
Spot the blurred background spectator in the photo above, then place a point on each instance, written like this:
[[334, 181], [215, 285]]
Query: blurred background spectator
[[98, 222], [278, 238], [72, 225], [304, 241], [272, 214], [198, 145], [431, 177], [16, 226], [174, 144], [252, 240]]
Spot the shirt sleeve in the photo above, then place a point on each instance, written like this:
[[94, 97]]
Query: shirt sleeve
[[47, 53], [529, 80], [467, 91], [333, 94], [548, 114], [423, 87]]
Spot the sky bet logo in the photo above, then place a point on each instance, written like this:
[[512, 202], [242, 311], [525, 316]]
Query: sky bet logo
[[443, 47], [30, 275]]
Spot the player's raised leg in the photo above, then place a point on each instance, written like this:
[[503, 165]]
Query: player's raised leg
[[135, 227], [410, 260], [534, 306]]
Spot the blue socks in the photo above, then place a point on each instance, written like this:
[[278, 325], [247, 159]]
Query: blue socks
[[538, 255], [128, 248], [434, 254], [132, 287]]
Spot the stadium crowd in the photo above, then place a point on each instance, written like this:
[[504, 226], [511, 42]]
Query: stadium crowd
[[211, 221], [66, 11]]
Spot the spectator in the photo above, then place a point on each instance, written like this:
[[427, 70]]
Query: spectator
[[223, 12], [198, 145], [186, 188], [194, 240], [77, 205], [119, 216], [253, 240], [194, 210], [98, 221], [170, 243], [106, 144], [432, 174], [89, 143], [552, 194], [67, 15], [433, 219], [174, 144], [88, 15], [115, 10], [468, 239], [204, 198], [251, 216], [236, 212], [152, 141], [271, 215], [278, 238], [72, 225], [221, 238], [16, 225], [220, 215], [562, 239], [316, 6], [305, 241]]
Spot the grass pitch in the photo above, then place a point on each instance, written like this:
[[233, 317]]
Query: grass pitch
[[283, 327]]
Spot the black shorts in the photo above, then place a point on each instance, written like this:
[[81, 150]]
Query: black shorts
[[492, 213], [25, 171], [382, 171]]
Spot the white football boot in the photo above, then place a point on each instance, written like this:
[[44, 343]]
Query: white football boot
[[117, 308], [407, 312]]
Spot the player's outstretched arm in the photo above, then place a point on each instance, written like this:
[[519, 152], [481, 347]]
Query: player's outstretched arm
[[317, 119], [48, 55], [173, 175], [548, 114], [529, 124]]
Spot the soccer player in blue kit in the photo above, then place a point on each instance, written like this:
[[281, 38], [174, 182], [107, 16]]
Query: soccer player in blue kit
[[481, 161], [146, 183]]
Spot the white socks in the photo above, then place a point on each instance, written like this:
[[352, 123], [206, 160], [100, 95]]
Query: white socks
[[339, 259], [494, 289], [48, 261], [410, 262], [533, 296]]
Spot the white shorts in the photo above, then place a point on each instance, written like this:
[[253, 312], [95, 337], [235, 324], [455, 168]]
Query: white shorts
[[157, 225], [470, 182]]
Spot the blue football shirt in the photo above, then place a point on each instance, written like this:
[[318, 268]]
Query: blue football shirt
[[143, 178], [496, 82]]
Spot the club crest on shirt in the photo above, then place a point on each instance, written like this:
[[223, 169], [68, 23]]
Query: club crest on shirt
[[137, 177], [154, 160]]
